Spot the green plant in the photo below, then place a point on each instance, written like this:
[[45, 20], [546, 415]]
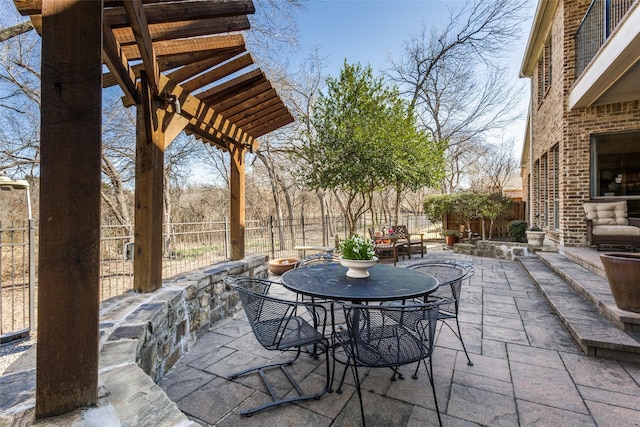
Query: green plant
[[517, 230], [455, 233], [356, 247]]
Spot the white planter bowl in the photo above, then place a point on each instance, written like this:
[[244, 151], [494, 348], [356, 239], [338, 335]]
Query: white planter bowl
[[357, 268]]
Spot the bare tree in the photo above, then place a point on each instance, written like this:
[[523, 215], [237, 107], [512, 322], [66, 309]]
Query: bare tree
[[16, 30], [452, 77], [496, 167]]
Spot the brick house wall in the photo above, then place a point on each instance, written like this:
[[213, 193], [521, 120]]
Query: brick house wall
[[554, 126]]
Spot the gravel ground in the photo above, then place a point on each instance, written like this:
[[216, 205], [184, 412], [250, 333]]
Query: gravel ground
[[10, 352]]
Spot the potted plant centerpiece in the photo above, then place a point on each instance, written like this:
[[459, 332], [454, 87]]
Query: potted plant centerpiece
[[535, 237], [451, 236], [357, 254]]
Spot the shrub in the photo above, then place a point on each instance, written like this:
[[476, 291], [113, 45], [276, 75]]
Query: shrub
[[517, 230], [357, 248]]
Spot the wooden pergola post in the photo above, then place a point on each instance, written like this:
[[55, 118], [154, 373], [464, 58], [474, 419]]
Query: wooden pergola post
[[69, 239], [147, 262], [237, 202]]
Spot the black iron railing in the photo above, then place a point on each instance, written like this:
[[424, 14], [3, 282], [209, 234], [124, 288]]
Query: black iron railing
[[601, 19]]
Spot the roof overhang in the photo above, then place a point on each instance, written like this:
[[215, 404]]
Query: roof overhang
[[539, 31]]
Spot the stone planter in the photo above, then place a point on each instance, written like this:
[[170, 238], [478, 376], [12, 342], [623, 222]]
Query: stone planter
[[357, 268], [535, 238], [623, 274], [280, 266]]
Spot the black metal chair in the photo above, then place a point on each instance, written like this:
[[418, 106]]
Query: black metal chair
[[450, 275], [388, 336], [278, 325], [322, 259], [315, 259]]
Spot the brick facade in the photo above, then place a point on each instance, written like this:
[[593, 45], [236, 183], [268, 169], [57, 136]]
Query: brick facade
[[570, 131]]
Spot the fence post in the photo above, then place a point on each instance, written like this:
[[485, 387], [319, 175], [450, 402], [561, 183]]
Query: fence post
[[304, 235], [226, 237], [32, 274], [273, 243]]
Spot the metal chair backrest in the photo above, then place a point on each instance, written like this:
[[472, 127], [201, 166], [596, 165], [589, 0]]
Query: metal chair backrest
[[450, 275], [274, 321], [316, 259], [391, 335]]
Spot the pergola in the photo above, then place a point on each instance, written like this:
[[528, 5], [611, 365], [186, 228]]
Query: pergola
[[178, 64]]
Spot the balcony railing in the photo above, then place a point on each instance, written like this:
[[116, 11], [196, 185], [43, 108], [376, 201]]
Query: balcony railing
[[602, 17]]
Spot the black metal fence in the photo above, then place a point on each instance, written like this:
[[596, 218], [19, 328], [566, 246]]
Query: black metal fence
[[187, 246], [602, 17], [17, 279]]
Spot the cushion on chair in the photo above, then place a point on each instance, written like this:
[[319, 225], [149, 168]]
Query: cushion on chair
[[615, 230], [608, 213]]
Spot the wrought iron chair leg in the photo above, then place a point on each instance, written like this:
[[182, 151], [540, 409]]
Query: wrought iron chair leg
[[459, 335], [356, 377], [433, 387], [277, 400]]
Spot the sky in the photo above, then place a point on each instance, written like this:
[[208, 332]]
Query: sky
[[368, 31]]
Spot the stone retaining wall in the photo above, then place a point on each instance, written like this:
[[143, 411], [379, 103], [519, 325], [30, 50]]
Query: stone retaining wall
[[141, 337], [498, 250], [167, 325]]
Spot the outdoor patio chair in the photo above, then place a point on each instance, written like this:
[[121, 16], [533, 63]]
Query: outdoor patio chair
[[385, 247], [320, 258], [323, 259], [387, 336], [450, 275], [278, 325], [409, 239]]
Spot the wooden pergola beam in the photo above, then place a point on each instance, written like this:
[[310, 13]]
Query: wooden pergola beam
[[202, 116], [140, 28], [218, 73], [175, 47], [184, 29], [192, 70], [118, 64]]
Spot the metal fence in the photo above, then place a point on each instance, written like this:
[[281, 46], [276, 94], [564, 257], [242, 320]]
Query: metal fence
[[187, 246], [17, 279], [602, 17]]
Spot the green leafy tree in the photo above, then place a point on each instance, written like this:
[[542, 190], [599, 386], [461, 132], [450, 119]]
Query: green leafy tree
[[365, 139], [494, 205]]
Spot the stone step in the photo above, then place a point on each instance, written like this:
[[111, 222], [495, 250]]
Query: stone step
[[596, 335], [593, 288]]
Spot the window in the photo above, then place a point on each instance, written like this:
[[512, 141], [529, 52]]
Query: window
[[544, 71], [554, 155], [615, 165], [544, 191]]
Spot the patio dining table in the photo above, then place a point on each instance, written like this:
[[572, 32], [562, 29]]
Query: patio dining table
[[330, 282], [385, 283]]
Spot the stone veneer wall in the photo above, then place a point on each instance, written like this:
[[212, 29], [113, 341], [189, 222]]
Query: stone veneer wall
[[498, 250], [141, 337], [181, 311]]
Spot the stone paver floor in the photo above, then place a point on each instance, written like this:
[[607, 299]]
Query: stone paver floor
[[527, 371]]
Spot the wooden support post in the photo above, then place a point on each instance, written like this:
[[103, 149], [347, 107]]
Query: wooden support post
[[147, 262], [237, 202], [69, 245]]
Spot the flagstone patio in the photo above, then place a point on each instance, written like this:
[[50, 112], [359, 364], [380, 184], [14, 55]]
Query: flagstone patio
[[527, 371]]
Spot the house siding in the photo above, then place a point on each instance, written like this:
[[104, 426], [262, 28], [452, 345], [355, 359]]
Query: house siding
[[553, 123]]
